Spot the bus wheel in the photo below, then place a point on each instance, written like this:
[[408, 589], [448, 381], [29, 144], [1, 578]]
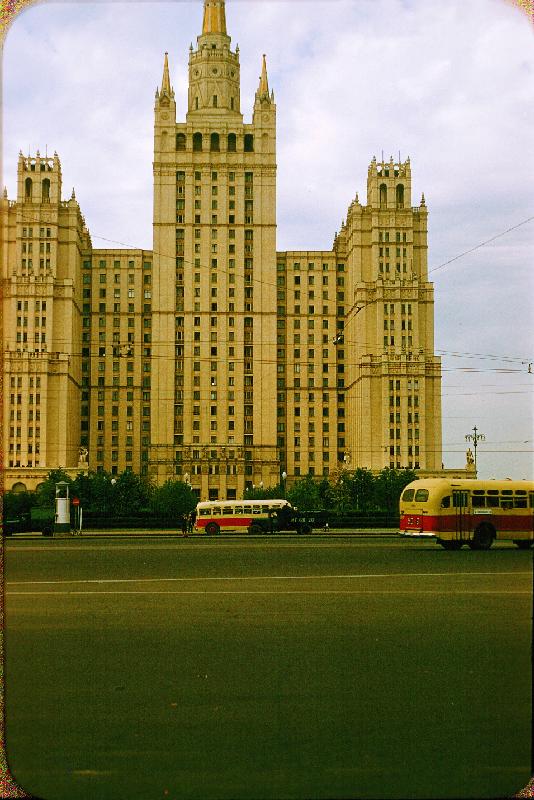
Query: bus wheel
[[483, 538], [450, 544], [524, 544], [255, 529], [212, 528]]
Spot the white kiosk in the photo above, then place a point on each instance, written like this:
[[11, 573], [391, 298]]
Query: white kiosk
[[62, 518]]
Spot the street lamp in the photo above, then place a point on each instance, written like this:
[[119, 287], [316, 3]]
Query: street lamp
[[475, 437], [284, 476]]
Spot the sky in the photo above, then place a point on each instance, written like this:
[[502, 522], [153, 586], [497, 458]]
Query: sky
[[449, 84]]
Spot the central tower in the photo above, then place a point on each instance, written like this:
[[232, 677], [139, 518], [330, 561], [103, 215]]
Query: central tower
[[213, 336]]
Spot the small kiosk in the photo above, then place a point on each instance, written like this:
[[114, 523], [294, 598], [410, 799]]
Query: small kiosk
[[62, 517]]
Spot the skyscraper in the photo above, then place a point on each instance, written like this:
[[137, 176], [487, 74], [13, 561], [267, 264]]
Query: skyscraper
[[215, 358]]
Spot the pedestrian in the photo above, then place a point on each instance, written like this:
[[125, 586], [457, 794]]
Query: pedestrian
[[184, 524], [192, 518]]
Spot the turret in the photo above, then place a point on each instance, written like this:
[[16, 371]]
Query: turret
[[214, 76], [389, 184], [38, 179]]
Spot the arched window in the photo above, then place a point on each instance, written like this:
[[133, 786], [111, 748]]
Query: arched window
[[214, 141], [46, 190], [28, 188], [399, 193], [249, 143], [197, 141], [231, 142], [180, 141], [383, 195]]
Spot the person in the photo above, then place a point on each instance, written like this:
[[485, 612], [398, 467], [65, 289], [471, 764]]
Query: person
[[184, 524], [192, 518]]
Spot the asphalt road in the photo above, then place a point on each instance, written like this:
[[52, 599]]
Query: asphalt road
[[267, 668]]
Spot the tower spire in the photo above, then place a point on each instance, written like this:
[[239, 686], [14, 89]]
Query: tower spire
[[166, 81], [264, 85], [214, 17]]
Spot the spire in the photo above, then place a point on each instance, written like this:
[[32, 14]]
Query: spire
[[214, 17], [264, 86], [262, 92], [165, 81]]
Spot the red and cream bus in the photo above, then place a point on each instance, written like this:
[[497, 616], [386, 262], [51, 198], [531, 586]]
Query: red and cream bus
[[469, 511], [243, 516]]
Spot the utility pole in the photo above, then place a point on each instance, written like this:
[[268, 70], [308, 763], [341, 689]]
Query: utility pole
[[475, 437]]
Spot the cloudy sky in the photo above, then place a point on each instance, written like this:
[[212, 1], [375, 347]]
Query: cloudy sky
[[448, 83]]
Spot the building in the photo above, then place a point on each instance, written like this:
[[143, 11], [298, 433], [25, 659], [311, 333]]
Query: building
[[215, 358]]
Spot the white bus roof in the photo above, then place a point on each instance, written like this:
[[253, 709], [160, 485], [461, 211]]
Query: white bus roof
[[217, 503]]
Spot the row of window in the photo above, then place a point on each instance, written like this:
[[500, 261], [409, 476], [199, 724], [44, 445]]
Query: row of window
[[102, 264], [281, 267], [214, 139], [383, 236], [44, 247]]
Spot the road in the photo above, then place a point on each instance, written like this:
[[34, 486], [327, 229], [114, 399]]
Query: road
[[267, 668]]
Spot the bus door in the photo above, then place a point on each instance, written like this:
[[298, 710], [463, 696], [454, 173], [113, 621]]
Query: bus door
[[462, 514]]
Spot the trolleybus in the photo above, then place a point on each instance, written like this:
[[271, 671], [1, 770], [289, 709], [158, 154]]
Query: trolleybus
[[245, 516], [469, 511]]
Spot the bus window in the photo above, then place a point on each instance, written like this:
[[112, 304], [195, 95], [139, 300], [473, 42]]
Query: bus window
[[507, 502], [459, 499], [238, 510], [205, 512], [492, 501], [408, 495], [446, 502], [247, 509], [531, 500], [228, 510], [421, 496], [478, 501], [256, 509], [520, 502]]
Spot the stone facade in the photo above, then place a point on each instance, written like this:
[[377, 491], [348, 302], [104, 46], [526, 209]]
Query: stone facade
[[215, 358]]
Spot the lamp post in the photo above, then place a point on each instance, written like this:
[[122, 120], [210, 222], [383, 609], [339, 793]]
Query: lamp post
[[284, 476], [475, 437]]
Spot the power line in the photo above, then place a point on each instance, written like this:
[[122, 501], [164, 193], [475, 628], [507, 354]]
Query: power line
[[482, 244]]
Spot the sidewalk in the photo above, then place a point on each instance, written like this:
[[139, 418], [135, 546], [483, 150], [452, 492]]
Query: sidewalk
[[177, 534]]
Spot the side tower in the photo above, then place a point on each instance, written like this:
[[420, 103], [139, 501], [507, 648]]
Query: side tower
[[44, 239], [213, 386], [393, 391]]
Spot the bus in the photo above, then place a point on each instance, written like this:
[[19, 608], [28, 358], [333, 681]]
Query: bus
[[469, 511], [244, 516]]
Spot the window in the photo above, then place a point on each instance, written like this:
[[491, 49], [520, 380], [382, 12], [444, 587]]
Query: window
[[197, 141], [421, 496]]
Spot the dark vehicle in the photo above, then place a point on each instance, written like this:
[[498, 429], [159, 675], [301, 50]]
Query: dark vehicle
[[24, 523]]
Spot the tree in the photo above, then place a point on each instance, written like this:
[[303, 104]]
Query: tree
[[260, 493], [131, 493], [326, 495], [15, 504], [304, 494], [173, 500], [389, 484], [46, 494]]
